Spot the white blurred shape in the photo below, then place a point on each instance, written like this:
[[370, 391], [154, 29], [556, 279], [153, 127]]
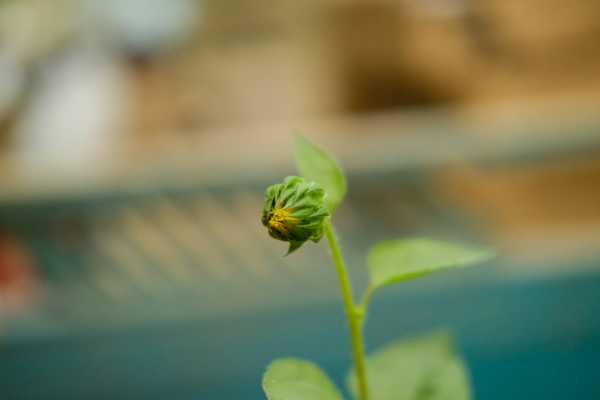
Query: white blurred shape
[[75, 118], [146, 25]]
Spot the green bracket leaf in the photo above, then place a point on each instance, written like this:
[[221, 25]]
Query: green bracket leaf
[[317, 165], [295, 379], [421, 368], [399, 260]]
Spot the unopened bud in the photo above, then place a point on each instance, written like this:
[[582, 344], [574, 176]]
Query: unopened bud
[[294, 211]]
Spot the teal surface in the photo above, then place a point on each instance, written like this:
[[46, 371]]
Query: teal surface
[[522, 340]]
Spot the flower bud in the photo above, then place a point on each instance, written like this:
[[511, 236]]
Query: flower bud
[[294, 211]]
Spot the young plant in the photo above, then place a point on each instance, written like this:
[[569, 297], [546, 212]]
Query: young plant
[[426, 367]]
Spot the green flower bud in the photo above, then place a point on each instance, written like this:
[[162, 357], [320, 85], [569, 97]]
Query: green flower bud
[[294, 211]]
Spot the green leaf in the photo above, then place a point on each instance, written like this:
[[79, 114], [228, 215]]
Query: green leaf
[[422, 368], [451, 383], [315, 164], [295, 379], [399, 260]]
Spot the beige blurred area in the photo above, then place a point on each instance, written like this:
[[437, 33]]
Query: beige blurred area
[[503, 95]]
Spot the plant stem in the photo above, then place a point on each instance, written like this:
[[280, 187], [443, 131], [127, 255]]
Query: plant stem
[[354, 313]]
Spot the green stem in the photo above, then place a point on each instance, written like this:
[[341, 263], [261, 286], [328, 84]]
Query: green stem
[[354, 313]]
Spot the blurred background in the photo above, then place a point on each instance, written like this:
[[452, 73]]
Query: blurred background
[[137, 137]]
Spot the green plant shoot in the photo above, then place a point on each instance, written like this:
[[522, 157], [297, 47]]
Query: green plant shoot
[[428, 367]]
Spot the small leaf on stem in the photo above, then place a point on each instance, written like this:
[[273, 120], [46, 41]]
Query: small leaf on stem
[[399, 260], [317, 165]]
